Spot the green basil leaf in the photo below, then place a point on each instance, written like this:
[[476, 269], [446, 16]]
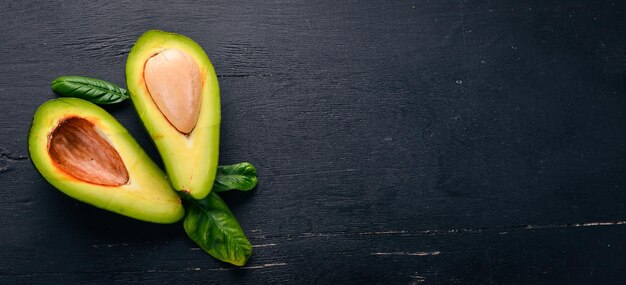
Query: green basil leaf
[[91, 89], [240, 176], [211, 225]]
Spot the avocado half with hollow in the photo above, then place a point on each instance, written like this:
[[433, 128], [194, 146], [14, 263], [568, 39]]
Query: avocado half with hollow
[[174, 88], [84, 152]]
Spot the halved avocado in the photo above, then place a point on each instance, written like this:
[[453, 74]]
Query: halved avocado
[[176, 94], [84, 152]]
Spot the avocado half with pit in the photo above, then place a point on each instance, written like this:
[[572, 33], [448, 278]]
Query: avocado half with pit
[[174, 88], [83, 151]]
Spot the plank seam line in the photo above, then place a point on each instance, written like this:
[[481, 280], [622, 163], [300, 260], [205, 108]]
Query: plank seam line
[[501, 230]]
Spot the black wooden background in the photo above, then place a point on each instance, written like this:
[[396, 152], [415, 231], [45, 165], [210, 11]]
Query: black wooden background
[[397, 142]]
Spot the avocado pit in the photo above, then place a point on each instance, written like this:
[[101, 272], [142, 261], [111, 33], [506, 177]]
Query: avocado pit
[[77, 148], [173, 81]]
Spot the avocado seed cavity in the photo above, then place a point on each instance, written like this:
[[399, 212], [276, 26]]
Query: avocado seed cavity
[[173, 80], [77, 147]]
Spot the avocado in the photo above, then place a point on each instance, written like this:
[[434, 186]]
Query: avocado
[[175, 91], [83, 151]]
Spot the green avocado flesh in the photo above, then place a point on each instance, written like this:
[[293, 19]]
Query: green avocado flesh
[[189, 149], [83, 151]]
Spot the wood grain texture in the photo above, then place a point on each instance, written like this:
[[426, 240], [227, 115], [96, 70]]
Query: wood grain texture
[[396, 142]]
